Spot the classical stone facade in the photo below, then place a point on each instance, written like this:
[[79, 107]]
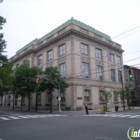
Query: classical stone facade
[[88, 59]]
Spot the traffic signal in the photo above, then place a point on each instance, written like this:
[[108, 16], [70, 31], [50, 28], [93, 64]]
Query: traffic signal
[[130, 74], [37, 80]]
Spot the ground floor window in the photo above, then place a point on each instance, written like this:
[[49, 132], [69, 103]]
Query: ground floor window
[[87, 95]]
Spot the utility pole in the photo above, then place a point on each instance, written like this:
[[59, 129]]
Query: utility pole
[[123, 92], [59, 99]]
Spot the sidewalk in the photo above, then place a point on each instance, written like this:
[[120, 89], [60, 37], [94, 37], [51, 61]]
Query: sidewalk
[[73, 113]]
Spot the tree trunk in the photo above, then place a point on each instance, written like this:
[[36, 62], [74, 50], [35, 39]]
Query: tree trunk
[[28, 101], [21, 103], [13, 100], [50, 102], [36, 102], [106, 106]]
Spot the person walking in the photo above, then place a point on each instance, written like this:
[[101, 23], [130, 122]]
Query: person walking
[[86, 108]]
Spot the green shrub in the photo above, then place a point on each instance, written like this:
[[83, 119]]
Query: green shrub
[[67, 108], [79, 108]]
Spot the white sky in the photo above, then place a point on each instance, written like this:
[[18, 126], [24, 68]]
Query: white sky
[[30, 19]]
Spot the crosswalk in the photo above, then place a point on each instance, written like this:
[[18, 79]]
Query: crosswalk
[[6, 118], [131, 116]]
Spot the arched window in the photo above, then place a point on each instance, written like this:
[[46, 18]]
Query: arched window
[[87, 95]]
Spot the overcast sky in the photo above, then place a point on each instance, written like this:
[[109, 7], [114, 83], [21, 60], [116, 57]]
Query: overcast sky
[[30, 19]]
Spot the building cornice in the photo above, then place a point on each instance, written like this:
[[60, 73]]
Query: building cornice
[[62, 35]]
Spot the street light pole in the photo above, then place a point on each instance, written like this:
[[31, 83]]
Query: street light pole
[[123, 93], [59, 99]]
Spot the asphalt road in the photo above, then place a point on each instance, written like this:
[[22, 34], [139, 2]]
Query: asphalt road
[[66, 127]]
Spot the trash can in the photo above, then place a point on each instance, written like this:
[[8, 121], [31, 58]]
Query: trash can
[[116, 108]]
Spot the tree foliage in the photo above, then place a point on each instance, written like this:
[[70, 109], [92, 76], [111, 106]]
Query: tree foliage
[[107, 96]]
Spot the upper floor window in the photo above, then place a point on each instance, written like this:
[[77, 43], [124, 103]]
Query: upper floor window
[[115, 97], [99, 72], [85, 70], [62, 50], [119, 76], [50, 55], [86, 95], [112, 58], [112, 75], [98, 53], [40, 59], [119, 60], [62, 68], [84, 49]]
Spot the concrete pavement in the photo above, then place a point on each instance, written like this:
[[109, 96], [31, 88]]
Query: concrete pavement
[[73, 113]]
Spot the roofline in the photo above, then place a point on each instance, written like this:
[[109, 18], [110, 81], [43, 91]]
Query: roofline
[[72, 20]]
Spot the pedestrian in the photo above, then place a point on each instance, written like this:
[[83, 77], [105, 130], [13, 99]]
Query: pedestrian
[[86, 108]]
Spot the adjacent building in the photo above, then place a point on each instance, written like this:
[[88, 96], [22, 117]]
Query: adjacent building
[[135, 79], [88, 59]]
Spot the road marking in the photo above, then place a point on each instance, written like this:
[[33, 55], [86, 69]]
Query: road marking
[[23, 117], [3, 118], [124, 116], [31, 116], [12, 117], [134, 116]]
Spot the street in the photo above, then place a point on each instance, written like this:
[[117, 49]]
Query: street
[[23, 125]]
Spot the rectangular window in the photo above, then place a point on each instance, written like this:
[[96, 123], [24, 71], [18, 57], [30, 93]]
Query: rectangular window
[[87, 95], [99, 54], [39, 60], [84, 49], [39, 98], [101, 95], [62, 97], [112, 58], [112, 75], [99, 72], [119, 60], [62, 50], [50, 55], [62, 69], [115, 98], [85, 70], [119, 76]]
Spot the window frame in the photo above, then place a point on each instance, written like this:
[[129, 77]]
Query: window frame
[[87, 96], [99, 73], [98, 54], [62, 50], [39, 61], [50, 55], [85, 73], [119, 76], [112, 58], [113, 78], [118, 60], [84, 49], [62, 69]]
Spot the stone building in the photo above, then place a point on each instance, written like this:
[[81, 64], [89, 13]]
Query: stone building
[[88, 59]]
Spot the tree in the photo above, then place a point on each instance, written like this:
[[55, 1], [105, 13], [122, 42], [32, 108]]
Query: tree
[[51, 80], [125, 93], [106, 96], [3, 58], [25, 80]]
